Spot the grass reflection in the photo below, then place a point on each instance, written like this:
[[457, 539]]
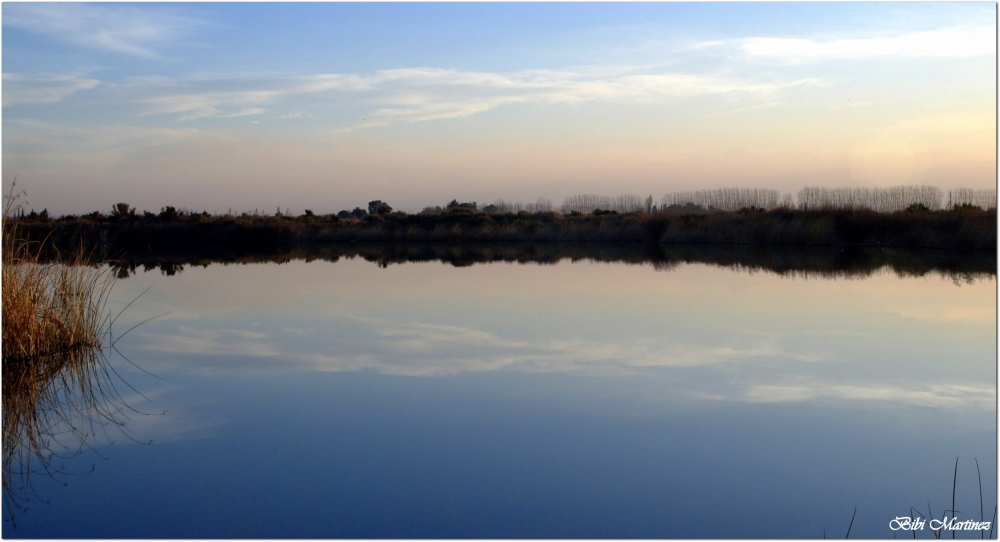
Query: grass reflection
[[58, 391]]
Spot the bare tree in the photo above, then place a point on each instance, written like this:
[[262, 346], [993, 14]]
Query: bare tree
[[724, 199], [984, 199], [881, 199]]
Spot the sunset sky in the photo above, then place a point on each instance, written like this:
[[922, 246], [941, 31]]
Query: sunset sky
[[328, 106]]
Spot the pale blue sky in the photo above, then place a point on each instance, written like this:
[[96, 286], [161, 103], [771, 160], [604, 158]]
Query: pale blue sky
[[327, 106]]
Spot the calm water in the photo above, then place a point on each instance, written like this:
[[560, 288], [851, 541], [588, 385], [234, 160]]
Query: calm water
[[503, 400]]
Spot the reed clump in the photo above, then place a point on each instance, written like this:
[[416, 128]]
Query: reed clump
[[50, 310], [56, 391]]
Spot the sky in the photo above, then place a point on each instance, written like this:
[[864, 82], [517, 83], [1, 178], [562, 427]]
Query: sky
[[328, 106]]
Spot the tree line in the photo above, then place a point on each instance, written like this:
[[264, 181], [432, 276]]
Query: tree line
[[880, 199]]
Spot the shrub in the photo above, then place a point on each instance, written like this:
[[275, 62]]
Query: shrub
[[122, 210], [379, 207], [454, 204], [169, 213]]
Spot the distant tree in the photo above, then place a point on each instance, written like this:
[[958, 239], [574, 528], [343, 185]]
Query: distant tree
[[358, 212], [309, 212], [344, 214], [169, 213], [983, 199], [468, 205], [379, 207], [122, 210]]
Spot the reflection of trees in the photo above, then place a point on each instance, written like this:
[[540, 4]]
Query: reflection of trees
[[825, 262]]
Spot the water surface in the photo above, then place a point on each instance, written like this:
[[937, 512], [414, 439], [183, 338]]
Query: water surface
[[574, 399]]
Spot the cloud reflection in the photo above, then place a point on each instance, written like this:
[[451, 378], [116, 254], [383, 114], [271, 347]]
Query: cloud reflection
[[420, 349], [424, 350]]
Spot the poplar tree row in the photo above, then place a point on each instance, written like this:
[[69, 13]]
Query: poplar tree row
[[727, 199], [880, 199], [984, 199], [884, 200], [625, 203]]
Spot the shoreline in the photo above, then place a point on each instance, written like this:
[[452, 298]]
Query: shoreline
[[954, 229]]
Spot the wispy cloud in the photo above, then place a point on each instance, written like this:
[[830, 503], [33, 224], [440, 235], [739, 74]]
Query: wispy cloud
[[132, 30], [53, 142], [18, 88], [943, 43], [951, 396], [422, 94], [210, 104]]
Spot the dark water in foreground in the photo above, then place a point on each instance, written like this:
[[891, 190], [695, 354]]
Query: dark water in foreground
[[578, 399]]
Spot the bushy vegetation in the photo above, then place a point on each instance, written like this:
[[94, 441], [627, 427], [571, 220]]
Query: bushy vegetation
[[377, 207], [740, 216], [962, 228]]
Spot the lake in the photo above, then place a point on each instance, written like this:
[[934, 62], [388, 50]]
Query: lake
[[544, 400]]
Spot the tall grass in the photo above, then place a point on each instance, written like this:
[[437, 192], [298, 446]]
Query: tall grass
[[56, 383]]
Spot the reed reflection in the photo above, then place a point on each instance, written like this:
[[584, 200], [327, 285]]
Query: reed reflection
[[58, 390]]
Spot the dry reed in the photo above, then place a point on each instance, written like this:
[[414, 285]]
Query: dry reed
[[57, 390]]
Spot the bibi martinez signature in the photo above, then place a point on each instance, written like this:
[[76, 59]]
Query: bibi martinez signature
[[904, 523]]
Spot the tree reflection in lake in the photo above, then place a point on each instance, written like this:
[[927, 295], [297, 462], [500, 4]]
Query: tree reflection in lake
[[827, 262]]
